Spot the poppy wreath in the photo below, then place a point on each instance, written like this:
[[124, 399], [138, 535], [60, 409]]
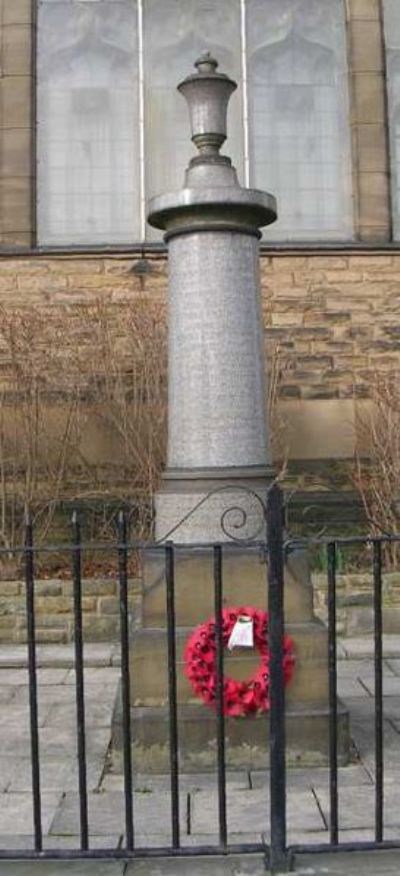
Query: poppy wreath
[[240, 698]]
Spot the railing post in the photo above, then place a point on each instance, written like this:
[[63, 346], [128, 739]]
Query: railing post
[[172, 692], [32, 678], [125, 676], [278, 860], [79, 681], [333, 703]]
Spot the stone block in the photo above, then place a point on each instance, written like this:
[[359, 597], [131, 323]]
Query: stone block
[[108, 605], [16, 152], [15, 100], [55, 636], [286, 263], [364, 9], [16, 54], [53, 621], [15, 200], [93, 587], [16, 238], [10, 588], [369, 98], [366, 46], [76, 265], [10, 606], [100, 629], [328, 262], [373, 233], [47, 284], [59, 604], [373, 199], [371, 148], [48, 588], [16, 12]]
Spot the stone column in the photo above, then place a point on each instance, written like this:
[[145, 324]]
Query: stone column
[[217, 432]]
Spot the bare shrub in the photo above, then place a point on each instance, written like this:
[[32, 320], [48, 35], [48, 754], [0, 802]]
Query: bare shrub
[[280, 365], [60, 372], [376, 474], [33, 461], [128, 387]]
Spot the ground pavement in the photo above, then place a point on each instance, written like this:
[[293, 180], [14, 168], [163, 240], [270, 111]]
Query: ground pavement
[[308, 792]]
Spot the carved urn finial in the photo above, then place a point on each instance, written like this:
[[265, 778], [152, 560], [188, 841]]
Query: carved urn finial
[[207, 94]]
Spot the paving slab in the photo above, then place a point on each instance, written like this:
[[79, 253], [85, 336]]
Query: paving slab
[[60, 744], [187, 782], [8, 766], [363, 646], [363, 736], [97, 713], [394, 665], [62, 868], [379, 863], [152, 813], [315, 777], [16, 743], [65, 693], [357, 807], [391, 685], [17, 842], [355, 668], [94, 654], [55, 775], [249, 865], [365, 709], [7, 694], [96, 841], [16, 812], [95, 675], [248, 811], [13, 655], [352, 687], [18, 715], [43, 676]]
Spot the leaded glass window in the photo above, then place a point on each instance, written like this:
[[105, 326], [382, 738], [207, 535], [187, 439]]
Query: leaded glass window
[[299, 132], [113, 131]]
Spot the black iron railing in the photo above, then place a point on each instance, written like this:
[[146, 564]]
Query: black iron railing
[[274, 549]]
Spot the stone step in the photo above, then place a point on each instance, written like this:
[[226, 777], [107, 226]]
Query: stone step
[[247, 739]]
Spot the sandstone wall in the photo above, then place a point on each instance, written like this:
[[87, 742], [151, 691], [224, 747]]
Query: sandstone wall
[[333, 318], [54, 610]]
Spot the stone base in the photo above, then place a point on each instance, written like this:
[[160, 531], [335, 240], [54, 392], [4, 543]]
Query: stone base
[[244, 582], [247, 739]]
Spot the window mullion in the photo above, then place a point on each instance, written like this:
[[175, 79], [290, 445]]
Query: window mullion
[[141, 123], [243, 41]]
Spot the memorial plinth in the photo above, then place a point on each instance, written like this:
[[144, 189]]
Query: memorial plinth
[[219, 465]]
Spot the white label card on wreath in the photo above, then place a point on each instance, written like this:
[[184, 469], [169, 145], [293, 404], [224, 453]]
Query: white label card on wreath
[[242, 633]]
